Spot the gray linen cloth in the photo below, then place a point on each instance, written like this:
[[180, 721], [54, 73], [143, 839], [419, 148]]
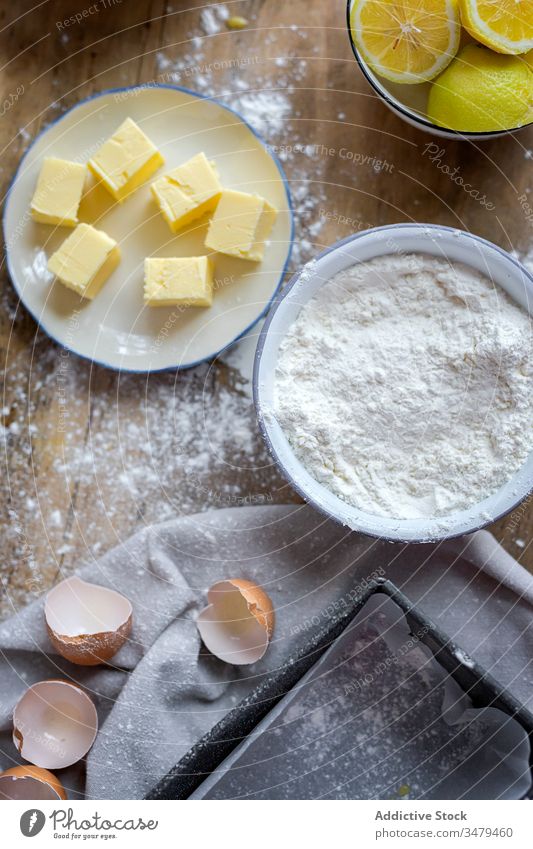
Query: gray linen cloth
[[162, 691]]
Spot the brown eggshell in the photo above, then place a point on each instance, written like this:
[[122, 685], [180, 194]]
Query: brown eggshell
[[76, 613], [32, 774], [238, 622], [90, 649]]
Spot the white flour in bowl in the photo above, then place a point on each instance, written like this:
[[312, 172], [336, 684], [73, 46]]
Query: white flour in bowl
[[404, 386]]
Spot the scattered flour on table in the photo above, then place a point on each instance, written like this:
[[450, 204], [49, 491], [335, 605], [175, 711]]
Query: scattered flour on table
[[405, 385], [213, 18], [267, 111], [117, 456]]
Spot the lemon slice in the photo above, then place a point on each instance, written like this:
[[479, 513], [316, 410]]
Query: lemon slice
[[406, 41], [504, 25]]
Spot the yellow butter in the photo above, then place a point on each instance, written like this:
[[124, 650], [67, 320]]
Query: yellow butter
[[178, 280], [85, 260], [125, 160], [58, 192], [240, 225], [187, 192]]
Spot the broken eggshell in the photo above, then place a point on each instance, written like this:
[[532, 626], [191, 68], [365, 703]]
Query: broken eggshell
[[87, 624], [30, 782], [238, 622], [54, 724]]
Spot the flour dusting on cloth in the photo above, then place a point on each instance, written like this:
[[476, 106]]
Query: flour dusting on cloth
[[404, 386]]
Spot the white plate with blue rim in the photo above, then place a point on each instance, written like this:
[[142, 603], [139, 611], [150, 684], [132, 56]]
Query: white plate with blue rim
[[116, 329]]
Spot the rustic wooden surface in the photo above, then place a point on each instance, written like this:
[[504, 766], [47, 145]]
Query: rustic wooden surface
[[61, 500]]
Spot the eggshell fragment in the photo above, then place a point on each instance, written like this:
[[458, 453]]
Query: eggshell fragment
[[30, 782], [54, 724], [238, 622], [86, 623]]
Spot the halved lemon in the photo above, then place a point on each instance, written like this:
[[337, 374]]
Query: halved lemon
[[406, 41], [504, 25]]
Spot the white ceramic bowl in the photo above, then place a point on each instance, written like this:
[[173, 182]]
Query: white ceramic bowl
[[409, 101], [454, 245]]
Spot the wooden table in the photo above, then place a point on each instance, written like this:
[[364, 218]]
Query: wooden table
[[86, 458]]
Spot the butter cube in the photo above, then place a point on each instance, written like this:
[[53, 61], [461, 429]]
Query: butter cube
[[85, 260], [178, 280], [240, 225], [125, 160], [58, 192], [187, 192]]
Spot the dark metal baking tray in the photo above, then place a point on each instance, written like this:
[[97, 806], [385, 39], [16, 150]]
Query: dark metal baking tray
[[215, 746]]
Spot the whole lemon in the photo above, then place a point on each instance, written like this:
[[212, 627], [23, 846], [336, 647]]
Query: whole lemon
[[481, 91]]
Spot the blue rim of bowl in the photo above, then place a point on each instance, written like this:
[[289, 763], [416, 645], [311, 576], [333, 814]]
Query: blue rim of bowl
[[257, 362], [215, 354], [410, 114]]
